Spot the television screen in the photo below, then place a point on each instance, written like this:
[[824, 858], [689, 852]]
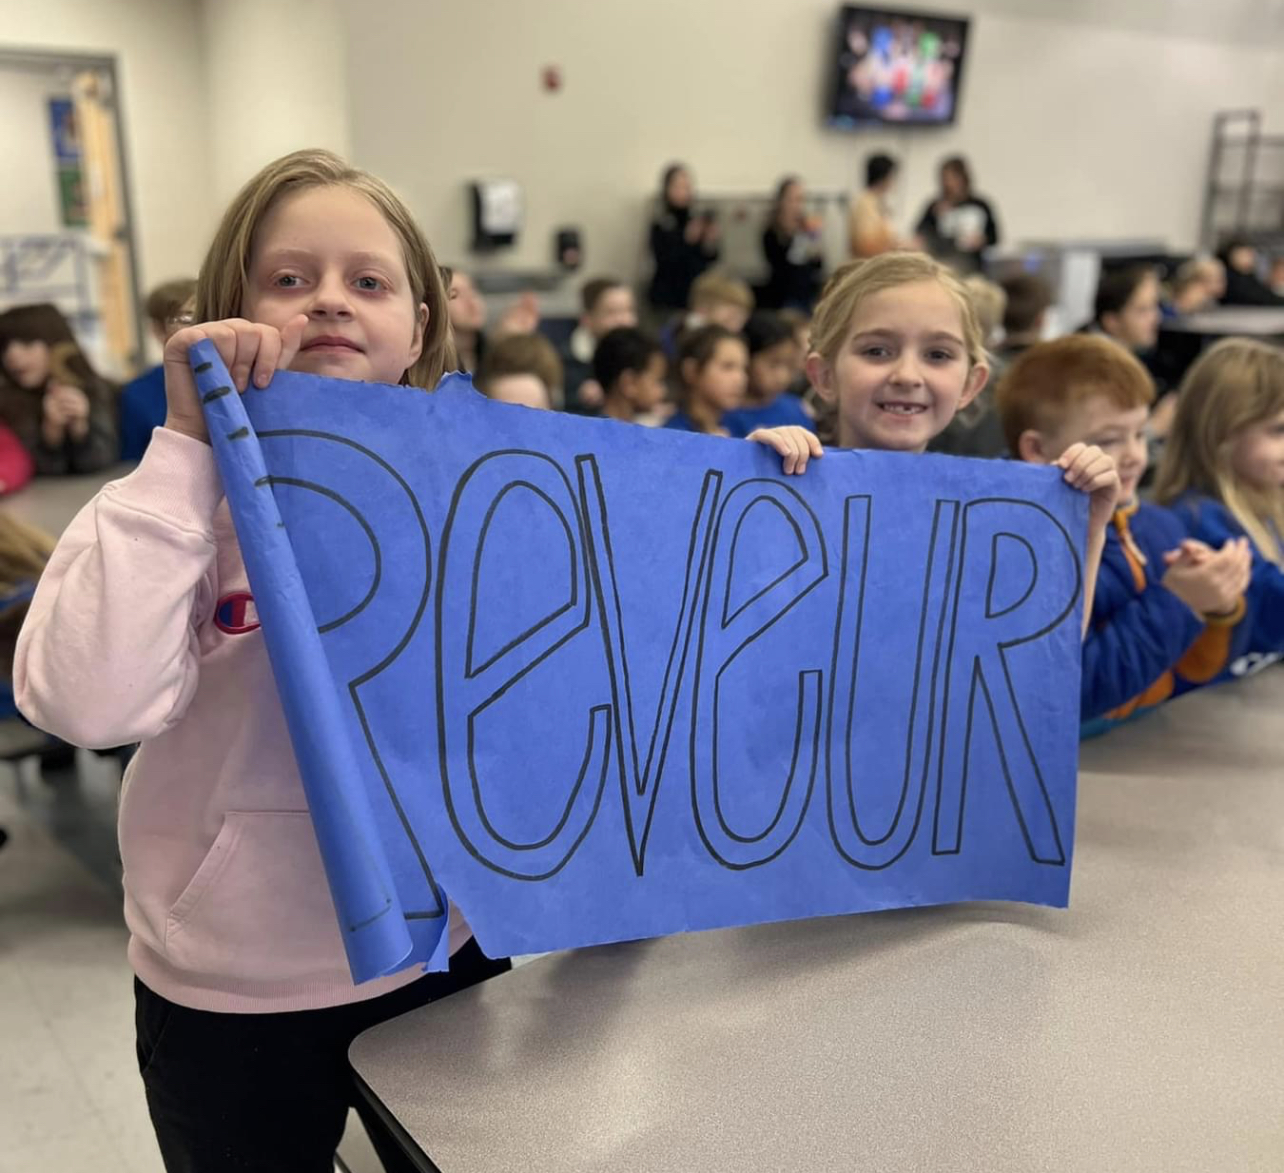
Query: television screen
[[902, 68]]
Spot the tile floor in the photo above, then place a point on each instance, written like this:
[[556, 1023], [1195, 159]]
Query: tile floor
[[70, 1097]]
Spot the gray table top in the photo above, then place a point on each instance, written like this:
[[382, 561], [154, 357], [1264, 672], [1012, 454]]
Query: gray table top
[[50, 503], [1142, 1029], [1252, 320]]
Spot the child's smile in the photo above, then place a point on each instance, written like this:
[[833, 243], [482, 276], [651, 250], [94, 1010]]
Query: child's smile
[[903, 370]]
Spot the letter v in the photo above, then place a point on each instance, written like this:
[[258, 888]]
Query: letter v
[[639, 787]]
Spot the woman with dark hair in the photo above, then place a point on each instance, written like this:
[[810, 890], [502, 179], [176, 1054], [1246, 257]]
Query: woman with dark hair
[[683, 245], [957, 225], [1126, 307], [791, 245], [58, 406], [1244, 285]]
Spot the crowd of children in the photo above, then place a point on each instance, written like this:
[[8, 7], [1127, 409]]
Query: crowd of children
[[320, 268], [1191, 587]]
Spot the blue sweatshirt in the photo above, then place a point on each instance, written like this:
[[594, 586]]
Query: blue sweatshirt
[[1144, 645], [784, 409], [142, 408], [682, 422]]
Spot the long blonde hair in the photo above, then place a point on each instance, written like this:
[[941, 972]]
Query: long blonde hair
[[220, 288], [24, 551], [1235, 384], [855, 281]]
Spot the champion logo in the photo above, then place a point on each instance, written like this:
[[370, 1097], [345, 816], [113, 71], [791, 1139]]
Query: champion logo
[[236, 614]]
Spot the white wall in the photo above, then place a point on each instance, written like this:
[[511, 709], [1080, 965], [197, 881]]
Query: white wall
[[211, 90], [162, 79], [29, 193], [277, 83], [1094, 123]]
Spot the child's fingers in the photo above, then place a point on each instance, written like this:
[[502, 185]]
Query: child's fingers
[[222, 334], [786, 444], [268, 356], [1234, 571], [181, 341], [805, 445], [768, 436], [794, 453], [797, 460], [276, 351], [248, 339], [1239, 579], [1081, 463], [1091, 473], [772, 438], [1070, 455], [1233, 557], [291, 340], [76, 404]]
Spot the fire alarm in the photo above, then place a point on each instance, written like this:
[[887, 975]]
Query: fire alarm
[[552, 78]]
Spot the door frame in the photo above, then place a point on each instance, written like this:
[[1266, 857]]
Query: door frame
[[18, 58]]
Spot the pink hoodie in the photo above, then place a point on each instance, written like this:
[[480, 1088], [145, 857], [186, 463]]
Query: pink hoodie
[[225, 896]]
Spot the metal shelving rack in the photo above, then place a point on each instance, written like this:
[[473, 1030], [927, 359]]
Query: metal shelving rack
[[1244, 192]]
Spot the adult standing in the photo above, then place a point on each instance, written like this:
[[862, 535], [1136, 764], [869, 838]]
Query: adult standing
[[683, 244], [791, 246], [957, 225], [870, 228], [1244, 286]]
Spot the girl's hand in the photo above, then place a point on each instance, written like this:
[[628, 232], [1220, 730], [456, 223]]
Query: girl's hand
[[74, 404], [522, 317], [248, 349], [1091, 471], [1213, 584], [65, 412], [1191, 552], [795, 444], [53, 421]]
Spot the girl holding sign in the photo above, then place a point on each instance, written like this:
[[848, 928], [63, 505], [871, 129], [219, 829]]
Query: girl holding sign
[[143, 629], [898, 351]]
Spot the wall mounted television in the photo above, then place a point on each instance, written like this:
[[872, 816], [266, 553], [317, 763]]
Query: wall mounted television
[[894, 68]]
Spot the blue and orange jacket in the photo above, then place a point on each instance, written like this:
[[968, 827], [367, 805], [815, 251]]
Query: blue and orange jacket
[[1144, 644], [1210, 521]]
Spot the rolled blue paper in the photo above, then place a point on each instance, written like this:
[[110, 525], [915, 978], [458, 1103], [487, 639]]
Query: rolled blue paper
[[375, 934]]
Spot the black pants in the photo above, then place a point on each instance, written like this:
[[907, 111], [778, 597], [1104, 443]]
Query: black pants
[[260, 1092]]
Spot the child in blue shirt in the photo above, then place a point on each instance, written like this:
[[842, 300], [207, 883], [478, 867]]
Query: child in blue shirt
[[1223, 473], [773, 360], [1168, 611], [712, 370], [142, 402]]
